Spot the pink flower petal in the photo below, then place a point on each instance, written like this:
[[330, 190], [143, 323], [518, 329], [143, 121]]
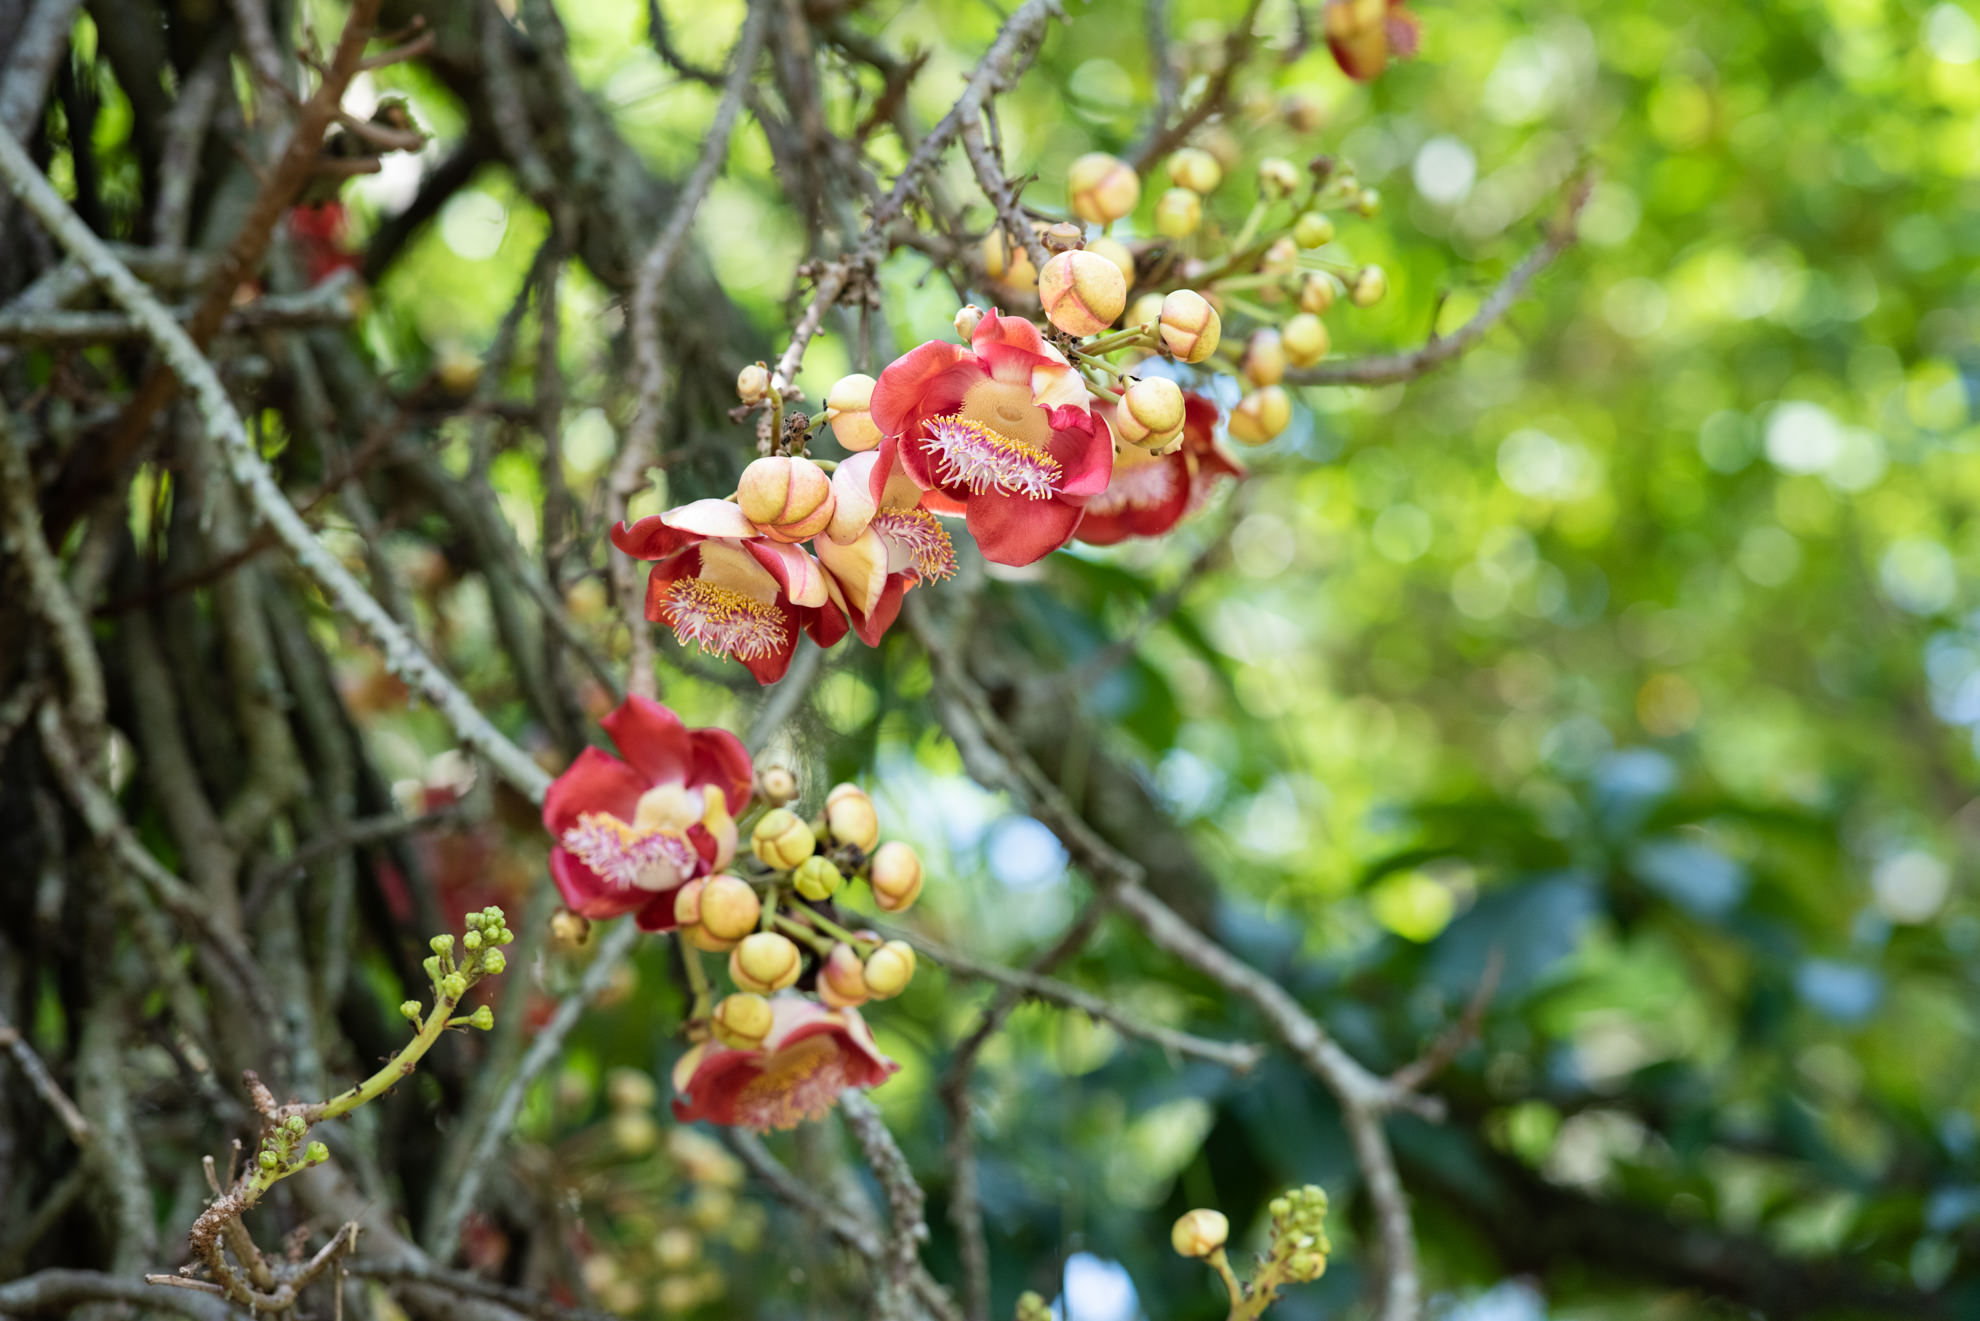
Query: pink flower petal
[[595, 781], [1011, 529], [651, 738], [854, 499], [710, 518], [802, 581], [860, 567]]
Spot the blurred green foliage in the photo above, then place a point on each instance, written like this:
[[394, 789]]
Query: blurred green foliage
[[1639, 646]]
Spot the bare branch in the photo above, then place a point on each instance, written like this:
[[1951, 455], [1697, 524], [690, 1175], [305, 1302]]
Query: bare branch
[[44, 1083]]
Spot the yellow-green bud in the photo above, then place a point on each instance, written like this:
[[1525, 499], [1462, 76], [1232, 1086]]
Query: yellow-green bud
[[294, 1126], [742, 1020], [1032, 1307], [851, 818], [730, 910], [776, 784], [817, 879], [1369, 202], [483, 1018], [471, 941], [316, 1153], [1082, 292], [1178, 213], [629, 1089], [968, 318], [782, 839], [268, 1160], [494, 962], [442, 945], [410, 1010], [1305, 339], [1150, 413], [1370, 283], [1264, 361], [1102, 188], [895, 876], [1005, 265], [1277, 177], [889, 969], [752, 382], [1281, 258], [1306, 1267], [432, 965], [1190, 326], [1317, 292], [1116, 252], [1261, 415], [1195, 169], [454, 985], [1313, 230], [765, 962], [1200, 1232], [569, 928]]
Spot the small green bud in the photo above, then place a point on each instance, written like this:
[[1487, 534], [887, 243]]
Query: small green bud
[[474, 921], [442, 945], [471, 941], [294, 1126], [432, 966], [506, 936], [267, 1160], [494, 962], [1031, 1307], [1280, 1207], [1313, 230], [453, 986], [409, 1010], [316, 1154], [493, 914], [817, 878], [483, 1018]]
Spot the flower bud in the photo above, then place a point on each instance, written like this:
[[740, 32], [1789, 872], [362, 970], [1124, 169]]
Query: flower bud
[[765, 962], [409, 1010], [315, 1154], [1102, 188], [494, 963], [1178, 212], [295, 1126], [1116, 252], [782, 839], [1302, 113], [1082, 292], [729, 909], [789, 498], [1368, 202], [1281, 258], [1190, 326], [1313, 230], [1306, 1267], [432, 965], [752, 382], [1200, 1232], [1062, 237], [568, 928], [1317, 292], [687, 917], [842, 978], [742, 1020], [1033, 1307], [483, 1018], [1277, 177], [629, 1089], [849, 409], [1370, 283], [817, 879], [1195, 169], [895, 877], [776, 784], [850, 817], [889, 969], [1305, 339], [1261, 415], [1147, 309], [471, 941], [1150, 413], [453, 986], [634, 1132], [1264, 361], [268, 1160], [968, 318], [442, 945], [1001, 264]]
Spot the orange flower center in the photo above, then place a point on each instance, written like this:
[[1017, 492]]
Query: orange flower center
[[629, 856], [797, 1084]]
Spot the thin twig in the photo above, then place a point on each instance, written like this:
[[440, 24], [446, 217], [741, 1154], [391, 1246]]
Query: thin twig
[[44, 1083], [1384, 369]]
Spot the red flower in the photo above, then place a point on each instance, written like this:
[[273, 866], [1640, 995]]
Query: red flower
[[717, 582], [320, 230], [1365, 34], [1001, 432], [882, 544], [630, 833], [811, 1055], [1151, 493]]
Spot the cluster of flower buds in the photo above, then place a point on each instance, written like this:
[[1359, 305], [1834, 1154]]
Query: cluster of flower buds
[[481, 956], [1298, 1253], [284, 1151], [778, 922]]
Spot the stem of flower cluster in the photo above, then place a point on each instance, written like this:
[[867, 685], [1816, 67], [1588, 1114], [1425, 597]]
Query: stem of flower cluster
[[698, 988], [1222, 1265], [395, 1070], [837, 932], [1121, 339], [798, 930]]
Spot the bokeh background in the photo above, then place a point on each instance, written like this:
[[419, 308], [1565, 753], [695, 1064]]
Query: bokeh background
[[1639, 645]]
